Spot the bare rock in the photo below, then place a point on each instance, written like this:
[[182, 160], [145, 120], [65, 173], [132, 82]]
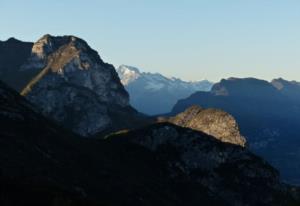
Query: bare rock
[[214, 122]]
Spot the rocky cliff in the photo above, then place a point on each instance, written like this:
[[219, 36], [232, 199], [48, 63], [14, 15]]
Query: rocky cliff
[[72, 85]]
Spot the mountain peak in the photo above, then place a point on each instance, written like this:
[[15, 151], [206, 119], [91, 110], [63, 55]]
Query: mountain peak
[[125, 68], [128, 74], [49, 44]]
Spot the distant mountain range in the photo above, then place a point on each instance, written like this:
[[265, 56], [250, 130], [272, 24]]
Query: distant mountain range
[[268, 114], [153, 93]]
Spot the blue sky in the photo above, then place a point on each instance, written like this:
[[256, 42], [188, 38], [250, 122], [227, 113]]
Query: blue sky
[[190, 39]]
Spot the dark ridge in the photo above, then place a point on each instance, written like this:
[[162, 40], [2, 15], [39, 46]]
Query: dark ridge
[[14, 53]]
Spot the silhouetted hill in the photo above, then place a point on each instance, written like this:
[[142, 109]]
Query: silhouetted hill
[[13, 54]]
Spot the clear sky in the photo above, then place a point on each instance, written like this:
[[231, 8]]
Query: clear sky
[[190, 39]]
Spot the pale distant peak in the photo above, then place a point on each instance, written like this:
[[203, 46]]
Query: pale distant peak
[[128, 74]]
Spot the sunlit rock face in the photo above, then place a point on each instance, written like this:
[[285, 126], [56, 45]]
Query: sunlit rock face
[[74, 86], [214, 122]]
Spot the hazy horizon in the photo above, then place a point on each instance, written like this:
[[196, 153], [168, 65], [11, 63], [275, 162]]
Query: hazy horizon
[[191, 40]]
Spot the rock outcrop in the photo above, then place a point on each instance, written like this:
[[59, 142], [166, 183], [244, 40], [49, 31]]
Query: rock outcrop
[[214, 122]]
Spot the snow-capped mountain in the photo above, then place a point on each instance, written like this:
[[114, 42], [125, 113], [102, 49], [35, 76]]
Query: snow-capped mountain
[[153, 93]]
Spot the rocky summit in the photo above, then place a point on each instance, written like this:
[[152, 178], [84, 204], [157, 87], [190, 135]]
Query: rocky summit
[[72, 85], [214, 122]]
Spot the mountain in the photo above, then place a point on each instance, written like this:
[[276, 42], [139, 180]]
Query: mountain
[[70, 83], [41, 163], [217, 123], [268, 116], [153, 93]]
